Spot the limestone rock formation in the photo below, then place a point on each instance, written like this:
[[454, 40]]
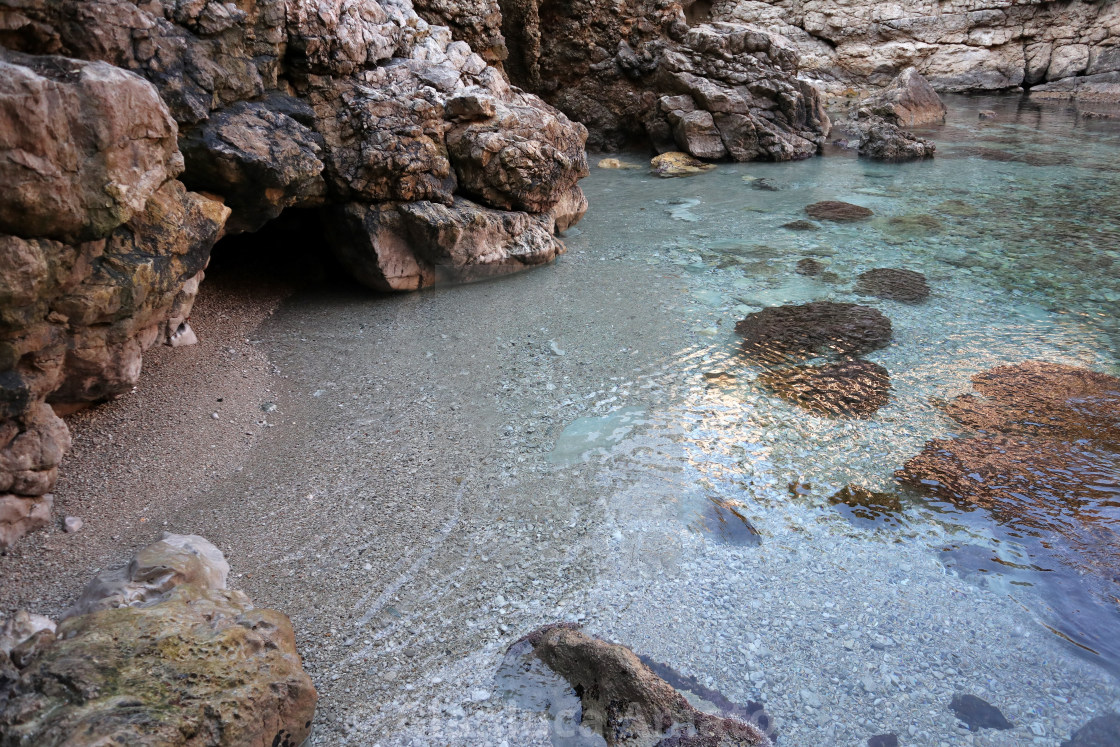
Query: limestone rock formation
[[185, 662], [638, 71], [353, 108], [625, 702], [102, 255], [961, 46], [878, 123]]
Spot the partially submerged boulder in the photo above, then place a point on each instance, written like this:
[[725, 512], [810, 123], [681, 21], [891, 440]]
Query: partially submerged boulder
[[797, 332], [881, 140], [185, 661], [624, 701], [908, 101], [675, 163]]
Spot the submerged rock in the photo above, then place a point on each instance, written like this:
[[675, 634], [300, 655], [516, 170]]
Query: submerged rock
[[1102, 731], [843, 389], [869, 506], [678, 164], [906, 286], [194, 664], [724, 520], [801, 225], [883, 740], [809, 266], [837, 211], [914, 225], [977, 713], [781, 333], [1039, 398], [624, 701]]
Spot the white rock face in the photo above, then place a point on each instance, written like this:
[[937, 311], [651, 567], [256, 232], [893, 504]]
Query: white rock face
[[959, 45], [157, 569]]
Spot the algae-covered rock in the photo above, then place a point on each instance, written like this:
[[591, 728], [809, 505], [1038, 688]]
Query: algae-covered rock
[[841, 389], [906, 286], [794, 332], [195, 664]]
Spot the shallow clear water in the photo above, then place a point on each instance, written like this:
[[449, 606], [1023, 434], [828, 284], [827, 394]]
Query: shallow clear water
[[571, 443]]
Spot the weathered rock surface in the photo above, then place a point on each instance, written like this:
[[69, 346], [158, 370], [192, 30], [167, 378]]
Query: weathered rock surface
[[843, 389], [625, 702], [961, 46], [638, 71], [906, 286], [908, 101], [882, 140], [672, 164], [184, 662], [782, 333]]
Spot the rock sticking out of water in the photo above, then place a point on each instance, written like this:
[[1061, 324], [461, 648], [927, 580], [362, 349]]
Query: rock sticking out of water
[[906, 286], [614, 163], [809, 266], [196, 663], [727, 522], [624, 701], [977, 713], [678, 164], [753, 712], [1103, 731], [838, 212], [798, 332], [842, 389]]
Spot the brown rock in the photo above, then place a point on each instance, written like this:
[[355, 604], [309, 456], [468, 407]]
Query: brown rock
[[782, 333], [906, 286], [838, 212], [668, 165], [908, 101], [809, 266], [882, 140], [625, 702], [83, 146], [843, 389], [1039, 398], [197, 664]]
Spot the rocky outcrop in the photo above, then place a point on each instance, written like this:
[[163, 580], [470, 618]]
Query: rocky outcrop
[[879, 123], [133, 135], [624, 701], [158, 653], [636, 71], [102, 256], [965, 45]]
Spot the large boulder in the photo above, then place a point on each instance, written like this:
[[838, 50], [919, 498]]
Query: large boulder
[[185, 661], [32, 444], [908, 101], [624, 701], [83, 145]]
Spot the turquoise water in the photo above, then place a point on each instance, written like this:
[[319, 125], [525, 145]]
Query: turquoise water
[[585, 442]]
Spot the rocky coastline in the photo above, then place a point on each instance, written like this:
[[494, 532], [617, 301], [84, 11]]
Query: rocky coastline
[[433, 142]]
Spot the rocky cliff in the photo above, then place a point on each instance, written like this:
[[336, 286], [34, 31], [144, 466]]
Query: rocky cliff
[[133, 135], [959, 45]]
